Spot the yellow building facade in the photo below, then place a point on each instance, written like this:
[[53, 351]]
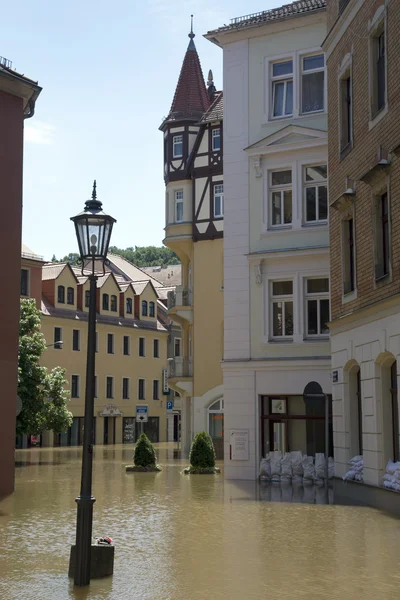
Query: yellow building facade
[[194, 231], [131, 353]]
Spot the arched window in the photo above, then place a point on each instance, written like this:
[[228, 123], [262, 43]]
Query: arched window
[[114, 303], [87, 298], [129, 306], [61, 294], [390, 411], [70, 295], [395, 412], [144, 308], [356, 413], [105, 302], [151, 309]]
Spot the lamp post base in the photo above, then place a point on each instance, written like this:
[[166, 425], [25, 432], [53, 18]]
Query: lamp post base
[[101, 562]]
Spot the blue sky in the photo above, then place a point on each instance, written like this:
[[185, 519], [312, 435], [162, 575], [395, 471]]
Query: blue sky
[[108, 72]]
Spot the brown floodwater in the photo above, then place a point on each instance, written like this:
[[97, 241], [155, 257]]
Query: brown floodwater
[[180, 537]]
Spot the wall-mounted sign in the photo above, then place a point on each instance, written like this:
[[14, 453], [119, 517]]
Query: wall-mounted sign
[[165, 381], [170, 405], [335, 376], [239, 444], [110, 410]]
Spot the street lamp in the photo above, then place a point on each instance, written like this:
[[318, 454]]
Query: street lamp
[[93, 230]]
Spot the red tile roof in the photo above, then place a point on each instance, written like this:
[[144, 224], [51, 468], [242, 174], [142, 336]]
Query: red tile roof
[[191, 98], [216, 110]]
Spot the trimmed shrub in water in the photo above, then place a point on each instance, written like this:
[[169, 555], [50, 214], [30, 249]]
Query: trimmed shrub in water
[[145, 454], [202, 455]]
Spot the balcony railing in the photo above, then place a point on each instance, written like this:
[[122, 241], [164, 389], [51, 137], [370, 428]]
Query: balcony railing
[[180, 297], [179, 367]]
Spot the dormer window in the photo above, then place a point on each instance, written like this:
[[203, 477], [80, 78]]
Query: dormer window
[[216, 139], [61, 294], [144, 308], [114, 303], [129, 306], [70, 295], [105, 302], [151, 309], [177, 146]]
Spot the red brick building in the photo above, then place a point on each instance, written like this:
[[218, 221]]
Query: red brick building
[[18, 95], [364, 190]]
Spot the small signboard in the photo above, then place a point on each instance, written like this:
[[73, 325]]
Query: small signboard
[[170, 405], [141, 413], [335, 376], [165, 382], [239, 444], [110, 410]]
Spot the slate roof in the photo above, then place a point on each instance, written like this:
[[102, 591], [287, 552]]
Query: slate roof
[[131, 272], [52, 270], [169, 276], [274, 14], [216, 110]]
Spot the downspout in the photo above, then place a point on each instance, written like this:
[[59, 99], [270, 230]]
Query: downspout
[[31, 104]]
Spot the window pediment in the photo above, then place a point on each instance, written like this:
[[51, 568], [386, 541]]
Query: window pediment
[[288, 138]]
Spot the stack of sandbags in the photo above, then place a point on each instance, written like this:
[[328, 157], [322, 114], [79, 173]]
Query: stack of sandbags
[[265, 468], [331, 468], [286, 468], [308, 470], [297, 466], [276, 465], [356, 469], [320, 468], [391, 479]]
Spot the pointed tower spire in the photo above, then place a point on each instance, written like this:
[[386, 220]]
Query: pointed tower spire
[[191, 35], [211, 89]]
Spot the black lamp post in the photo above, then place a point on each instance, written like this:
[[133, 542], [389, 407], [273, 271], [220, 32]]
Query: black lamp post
[[93, 230]]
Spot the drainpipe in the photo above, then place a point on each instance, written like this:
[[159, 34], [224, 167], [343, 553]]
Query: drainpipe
[[31, 104]]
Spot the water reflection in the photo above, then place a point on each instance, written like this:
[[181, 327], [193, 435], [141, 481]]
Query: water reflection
[[181, 537]]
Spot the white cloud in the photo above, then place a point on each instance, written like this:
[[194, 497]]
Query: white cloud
[[38, 132]]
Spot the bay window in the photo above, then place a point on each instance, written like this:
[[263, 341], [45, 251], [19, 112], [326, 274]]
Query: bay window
[[179, 206], [216, 139], [177, 146]]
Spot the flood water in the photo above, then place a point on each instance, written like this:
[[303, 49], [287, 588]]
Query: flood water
[[182, 537]]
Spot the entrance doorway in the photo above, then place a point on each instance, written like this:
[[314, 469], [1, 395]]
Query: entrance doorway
[[109, 431], [216, 426]]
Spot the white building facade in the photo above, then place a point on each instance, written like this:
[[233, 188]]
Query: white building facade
[[276, 237]]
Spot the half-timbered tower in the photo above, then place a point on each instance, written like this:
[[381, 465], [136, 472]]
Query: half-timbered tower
[[194, 211]]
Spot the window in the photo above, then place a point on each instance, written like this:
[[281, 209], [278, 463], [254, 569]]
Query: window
[[378, 69], [179, 206], [216, 139], [105, 302], [281, 197], [312, 83], [177, 346], [141, 346], [70, 295], [114, 303], [317, 307], [382, 238], [282, 309], [95, 387], [177, 146], [110, 343], [282, 88], [152, 312], [87, 298], [395, 412], [61, 294], [109, 387], [348, 256], [76, 339], [315, 194], [24, 282], [75, 386], [144, 308], [57, 338], [97, 341], [141, 390], [156, 385], [156, 349], [125, 388], [356, 412], [345, 108], [218, 200], [129, 306], [127, 344]]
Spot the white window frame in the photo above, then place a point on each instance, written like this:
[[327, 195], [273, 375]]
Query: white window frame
[[281, 298], [219, 195], [281, 79], [315, 296], [308, 72], [314, 184], [128, 396], [376, 26], [112, 387], [144, 388], [78, 385], [79, 340], [178, 200], [180, 347], [216, 134], [175, 143], [282, 189]]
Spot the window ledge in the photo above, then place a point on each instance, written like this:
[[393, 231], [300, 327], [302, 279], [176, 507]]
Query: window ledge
[[278, 228], [378, 117], [278, 341], [321, 338], [317, 224], [349, 297]]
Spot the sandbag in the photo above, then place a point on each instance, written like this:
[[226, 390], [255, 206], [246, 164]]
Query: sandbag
[[286, 468], [297, 465], [331, 468], [276, 460], [320, 466], [265, 467], [308, 469]]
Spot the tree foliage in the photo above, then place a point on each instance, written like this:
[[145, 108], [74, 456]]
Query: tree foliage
[[145, 454], [202, 453], [141, 256], [43, 394]]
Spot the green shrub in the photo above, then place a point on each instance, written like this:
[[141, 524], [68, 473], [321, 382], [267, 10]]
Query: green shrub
[[145, 454], [202, 453]]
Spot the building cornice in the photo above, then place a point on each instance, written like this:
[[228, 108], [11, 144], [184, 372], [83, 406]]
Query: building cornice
[[368, 314], [256, 257], [283, 363]]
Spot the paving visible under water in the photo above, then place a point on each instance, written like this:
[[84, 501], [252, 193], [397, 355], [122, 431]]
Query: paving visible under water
[[181, 537]]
